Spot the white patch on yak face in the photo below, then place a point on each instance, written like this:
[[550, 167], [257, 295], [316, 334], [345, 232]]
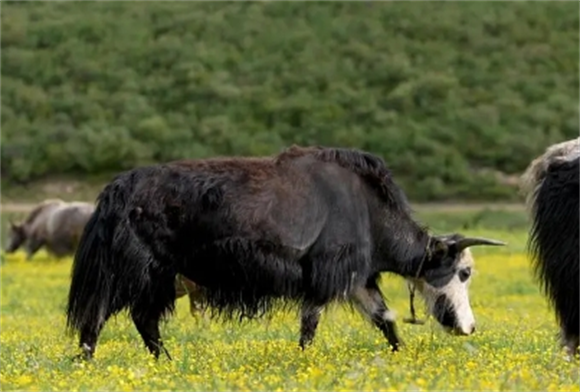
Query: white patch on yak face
[[446, 294]]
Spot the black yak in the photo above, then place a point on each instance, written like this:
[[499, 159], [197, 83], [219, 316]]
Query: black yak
[[308, 226], [551, 186]]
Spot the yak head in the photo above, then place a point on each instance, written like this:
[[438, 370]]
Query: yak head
[[443, 280], [16, 237]]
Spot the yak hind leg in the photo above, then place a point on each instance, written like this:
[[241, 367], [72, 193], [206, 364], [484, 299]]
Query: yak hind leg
[[310, 316], [89, 336], [148, 327], [90, 331], [370, 302], [148, 311]]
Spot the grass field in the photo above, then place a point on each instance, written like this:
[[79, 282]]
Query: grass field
[[514, 348]]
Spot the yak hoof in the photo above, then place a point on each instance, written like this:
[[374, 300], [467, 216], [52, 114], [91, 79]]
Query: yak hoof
[[82, 357], [304, 344], [156, 353], [572, 353]]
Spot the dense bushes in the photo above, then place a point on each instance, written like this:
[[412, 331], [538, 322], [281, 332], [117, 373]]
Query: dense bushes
[[456, 96]]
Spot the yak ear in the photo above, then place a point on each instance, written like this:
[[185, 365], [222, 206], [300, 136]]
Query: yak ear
[[438, 248]]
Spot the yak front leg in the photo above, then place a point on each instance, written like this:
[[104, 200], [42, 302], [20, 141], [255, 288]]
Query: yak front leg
[[369, 301], [32, 246]]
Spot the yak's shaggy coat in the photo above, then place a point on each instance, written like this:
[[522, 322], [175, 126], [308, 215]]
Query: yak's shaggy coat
[[308, 226]]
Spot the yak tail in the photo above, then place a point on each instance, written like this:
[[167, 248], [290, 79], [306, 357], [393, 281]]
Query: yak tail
[[553, 241], [110, 267]]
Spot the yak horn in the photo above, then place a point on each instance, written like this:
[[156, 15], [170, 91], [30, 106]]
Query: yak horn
[[472, 241]]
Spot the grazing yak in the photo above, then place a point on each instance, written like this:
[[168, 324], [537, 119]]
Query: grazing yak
[[53, 224], [551, 186], [308, 226]]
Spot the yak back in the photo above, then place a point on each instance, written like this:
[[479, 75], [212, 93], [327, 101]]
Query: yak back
[[65, 226], [36, 221], [286, 200]]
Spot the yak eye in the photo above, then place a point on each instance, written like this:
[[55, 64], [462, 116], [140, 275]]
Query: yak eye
[[464, 274]]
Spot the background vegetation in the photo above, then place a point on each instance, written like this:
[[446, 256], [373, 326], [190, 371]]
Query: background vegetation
[[457, 97]]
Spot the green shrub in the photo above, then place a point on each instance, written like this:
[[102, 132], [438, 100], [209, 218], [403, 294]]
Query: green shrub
[[453, 95]]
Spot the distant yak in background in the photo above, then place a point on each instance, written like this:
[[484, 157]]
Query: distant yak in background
[[309, 226], [53, 224]]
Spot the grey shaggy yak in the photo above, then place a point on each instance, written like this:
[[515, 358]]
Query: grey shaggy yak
[[53, 224]]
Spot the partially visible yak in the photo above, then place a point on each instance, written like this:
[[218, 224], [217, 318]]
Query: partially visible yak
[[551, 186], [309, 226]]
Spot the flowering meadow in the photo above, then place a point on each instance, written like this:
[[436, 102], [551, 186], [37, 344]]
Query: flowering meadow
[[515, 346]]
